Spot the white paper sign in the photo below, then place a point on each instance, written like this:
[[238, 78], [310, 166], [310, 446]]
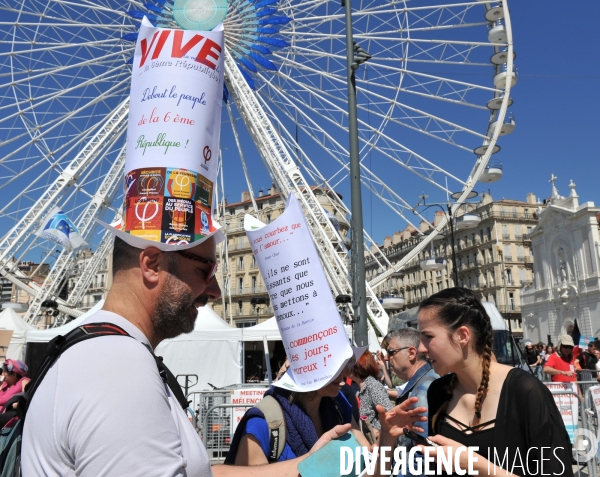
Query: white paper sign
[[249, 397], [173, 135], [568, 405], [311, 328]]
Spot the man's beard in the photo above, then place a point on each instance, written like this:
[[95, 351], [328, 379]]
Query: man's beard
[[172, 316]]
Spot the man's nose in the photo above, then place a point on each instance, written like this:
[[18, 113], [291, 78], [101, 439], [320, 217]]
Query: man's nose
[[212, 289]]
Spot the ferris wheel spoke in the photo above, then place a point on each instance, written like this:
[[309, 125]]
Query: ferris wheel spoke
[[424, 169], [433, 88], [340, 109], [54, 95], [63, 69], [58, 47], [33, 186], [47, 129]]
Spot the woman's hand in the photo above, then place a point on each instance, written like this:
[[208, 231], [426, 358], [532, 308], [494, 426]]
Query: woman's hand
[[394, 421], [335, 433], [380, 360]]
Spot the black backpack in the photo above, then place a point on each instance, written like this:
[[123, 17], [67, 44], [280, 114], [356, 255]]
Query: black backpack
[[10, 439]]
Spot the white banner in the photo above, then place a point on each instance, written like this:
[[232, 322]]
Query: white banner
[[568, 405], [243, 396], [309, 322]]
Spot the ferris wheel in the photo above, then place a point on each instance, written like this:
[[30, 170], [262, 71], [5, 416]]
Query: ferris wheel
[[432, 103]]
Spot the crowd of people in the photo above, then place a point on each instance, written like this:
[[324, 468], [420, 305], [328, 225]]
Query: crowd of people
[[453, 391]]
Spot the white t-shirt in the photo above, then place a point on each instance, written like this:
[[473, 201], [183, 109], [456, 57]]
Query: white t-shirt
[[103, 410]]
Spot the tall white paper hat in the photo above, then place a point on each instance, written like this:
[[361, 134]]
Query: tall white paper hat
[[173, 138]]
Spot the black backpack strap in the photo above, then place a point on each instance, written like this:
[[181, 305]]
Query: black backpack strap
[[169, 379], [84, 332], [60, 344]]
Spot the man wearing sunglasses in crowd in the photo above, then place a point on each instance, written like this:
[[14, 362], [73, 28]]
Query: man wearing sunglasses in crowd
[[102, 409], [412, 367]]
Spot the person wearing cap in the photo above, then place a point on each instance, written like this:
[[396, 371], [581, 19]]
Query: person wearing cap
[[14, 372], [560, 366]]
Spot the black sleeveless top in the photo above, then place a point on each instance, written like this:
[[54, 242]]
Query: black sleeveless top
[[527, 419]]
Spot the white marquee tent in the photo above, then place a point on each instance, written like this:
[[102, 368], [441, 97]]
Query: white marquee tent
[[9, 320], [212, 352]]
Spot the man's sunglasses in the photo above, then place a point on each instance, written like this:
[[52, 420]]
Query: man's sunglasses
[[213, 265], [390, 352]]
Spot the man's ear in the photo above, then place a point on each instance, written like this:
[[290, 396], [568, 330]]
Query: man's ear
[[150, 264]]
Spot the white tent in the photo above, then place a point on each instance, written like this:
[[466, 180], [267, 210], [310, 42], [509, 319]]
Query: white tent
[[9, 320], [271, 331], [44, 336], [212, 352]]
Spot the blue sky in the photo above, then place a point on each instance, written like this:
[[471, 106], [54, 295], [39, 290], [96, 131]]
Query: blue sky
[[556, 108], [555, 104]]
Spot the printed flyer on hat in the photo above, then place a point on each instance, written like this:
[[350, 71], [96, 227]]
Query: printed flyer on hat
[[173, 137]]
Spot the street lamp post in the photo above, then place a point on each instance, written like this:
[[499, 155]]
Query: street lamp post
[[446, 208], [357, 265]]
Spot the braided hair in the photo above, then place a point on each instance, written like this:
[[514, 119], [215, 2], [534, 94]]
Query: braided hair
[[458, 307]]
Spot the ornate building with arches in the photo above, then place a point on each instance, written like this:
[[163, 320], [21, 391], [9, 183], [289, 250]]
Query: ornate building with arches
[[566, 285]]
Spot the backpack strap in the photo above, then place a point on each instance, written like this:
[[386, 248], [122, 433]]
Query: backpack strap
[[60, 344], [170, 380], [84, 332], [276, 422]]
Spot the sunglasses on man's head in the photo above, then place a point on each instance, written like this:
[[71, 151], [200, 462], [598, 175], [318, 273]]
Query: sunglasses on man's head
[[213, 265]]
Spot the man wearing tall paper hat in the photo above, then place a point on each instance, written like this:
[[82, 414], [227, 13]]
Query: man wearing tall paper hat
[[102, 408]]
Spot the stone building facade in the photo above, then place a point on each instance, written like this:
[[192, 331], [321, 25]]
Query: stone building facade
[[493, 258], [566, 285], [100, 284]]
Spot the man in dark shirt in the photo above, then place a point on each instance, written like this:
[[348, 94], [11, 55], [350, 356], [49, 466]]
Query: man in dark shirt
[[587, 359], [534, 360]]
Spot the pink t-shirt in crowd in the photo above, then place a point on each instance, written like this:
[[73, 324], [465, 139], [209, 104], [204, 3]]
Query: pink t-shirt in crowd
[[7, 392]]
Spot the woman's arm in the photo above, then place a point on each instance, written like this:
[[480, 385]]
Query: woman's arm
[[250, 452]]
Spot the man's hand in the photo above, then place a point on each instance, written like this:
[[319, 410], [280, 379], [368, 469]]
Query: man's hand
[[394, 421], [335, 433]]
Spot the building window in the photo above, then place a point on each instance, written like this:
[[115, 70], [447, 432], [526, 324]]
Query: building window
[[231, 211], [514, 212], [240, 263], [253, 262], [240, 284], [260, 206], [268, 218], [254, 284], [509, 278], [511, 301], [518, 232], [245, 323], [505, 234], [240, 306], [489, 233], [523, 275], [97, 298], [526, 213]]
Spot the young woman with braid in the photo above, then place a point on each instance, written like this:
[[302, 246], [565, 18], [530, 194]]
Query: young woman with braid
[[508, 413]]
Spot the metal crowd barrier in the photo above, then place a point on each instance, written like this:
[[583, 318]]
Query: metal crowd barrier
[[217, 429], [579, 439], [212, 417]]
